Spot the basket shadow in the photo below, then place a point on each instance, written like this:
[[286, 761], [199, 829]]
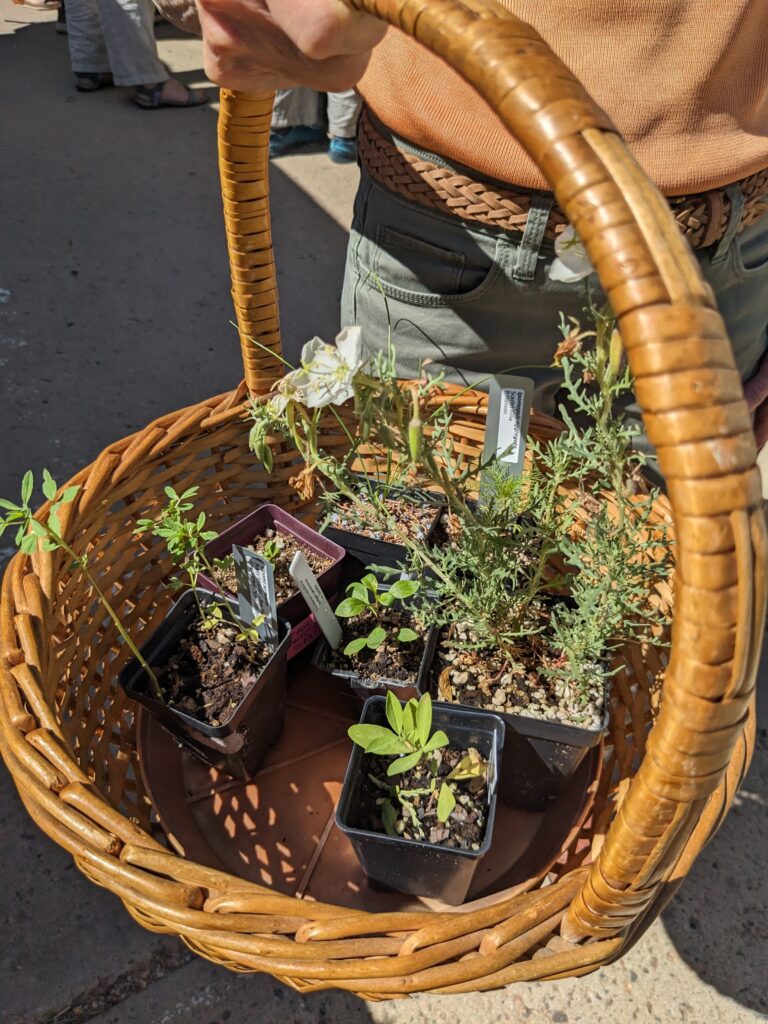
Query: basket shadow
[[717, 919]]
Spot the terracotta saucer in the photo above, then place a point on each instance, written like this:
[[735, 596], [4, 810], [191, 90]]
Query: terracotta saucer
[[278, 828]]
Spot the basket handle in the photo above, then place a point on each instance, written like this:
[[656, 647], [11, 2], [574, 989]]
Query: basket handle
[[686, 383]]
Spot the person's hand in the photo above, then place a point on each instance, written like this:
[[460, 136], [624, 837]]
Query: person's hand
[[251, 45]]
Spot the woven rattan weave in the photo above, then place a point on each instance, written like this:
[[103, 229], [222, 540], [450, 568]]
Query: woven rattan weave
[[702, 217], [67, 733]]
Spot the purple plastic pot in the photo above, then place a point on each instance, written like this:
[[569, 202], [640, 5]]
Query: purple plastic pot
[[295, 610]]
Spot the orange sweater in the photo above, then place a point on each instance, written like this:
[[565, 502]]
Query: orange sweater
[[685, 81]]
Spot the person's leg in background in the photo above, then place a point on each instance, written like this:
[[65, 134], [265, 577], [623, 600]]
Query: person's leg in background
[[343, 113], [297, 120], [114, 41], [87, 49]]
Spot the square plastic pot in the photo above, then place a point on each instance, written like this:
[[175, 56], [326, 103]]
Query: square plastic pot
[[365, 688], [540, 756], [295, 609], [383, 552], [239, 746], [410, 866]]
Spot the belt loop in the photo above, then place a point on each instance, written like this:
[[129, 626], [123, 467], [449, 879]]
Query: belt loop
[[736, 197], [533, 236]]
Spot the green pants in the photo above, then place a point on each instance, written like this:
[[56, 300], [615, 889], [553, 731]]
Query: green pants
[[478, 301]]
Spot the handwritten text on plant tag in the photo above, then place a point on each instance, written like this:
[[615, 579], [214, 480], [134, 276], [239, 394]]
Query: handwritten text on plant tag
[[256, 591], [306, 581]]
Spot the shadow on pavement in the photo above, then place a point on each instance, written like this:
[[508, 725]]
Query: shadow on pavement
[[114, 268], [718, 920]]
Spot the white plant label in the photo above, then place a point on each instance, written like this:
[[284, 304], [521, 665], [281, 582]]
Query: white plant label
[[509, 409], [311, 591], [256, 592]]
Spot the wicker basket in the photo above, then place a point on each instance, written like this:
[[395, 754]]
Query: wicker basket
[[67, 734]]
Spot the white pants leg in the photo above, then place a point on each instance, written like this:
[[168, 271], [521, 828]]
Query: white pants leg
[[116, 36], [343, 112], [297, 106], [87, 49]]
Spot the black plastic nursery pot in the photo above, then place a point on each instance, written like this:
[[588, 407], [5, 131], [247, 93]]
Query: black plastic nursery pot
[[365, 688], [239, 746], [371, 551], [410, 866], [540, 755], [295, 609]]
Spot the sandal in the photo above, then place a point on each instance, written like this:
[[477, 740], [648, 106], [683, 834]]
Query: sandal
[[92, 81], [150, 97]]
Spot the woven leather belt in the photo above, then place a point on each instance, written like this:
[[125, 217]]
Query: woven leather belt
[[703, 217]]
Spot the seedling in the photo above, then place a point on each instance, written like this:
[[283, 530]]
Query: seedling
[[33, 534], [185, 538], [366, 596], [410, 740], [271, 549]]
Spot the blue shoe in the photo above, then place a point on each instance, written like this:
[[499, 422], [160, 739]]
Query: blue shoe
[[284, 140], [343, 151]]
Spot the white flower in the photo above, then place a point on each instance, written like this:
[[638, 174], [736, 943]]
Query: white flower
[[286, 390], [571, 263], [327, 371]]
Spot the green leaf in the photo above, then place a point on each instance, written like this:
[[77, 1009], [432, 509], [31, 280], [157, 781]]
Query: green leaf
[[190, 492], [170, 493], [389, 818], [370, 581], [350, 606], [410, 731], [49, 485], [394, 712], [201, 521], [424, 719], [28, 544], [53, 522], [404, 588], [4, 503], [363, 735], [446, 802], [37, 528], [386, 599], [389, 747], [404, 764], [436, 740], [356, 645], [376, 637], [358, 590], [27, 486], [407, 636]]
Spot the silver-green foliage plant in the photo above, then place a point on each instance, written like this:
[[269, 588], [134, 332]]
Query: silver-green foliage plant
[[367, 598], [46, 533], [576, 524], [409, 740]]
